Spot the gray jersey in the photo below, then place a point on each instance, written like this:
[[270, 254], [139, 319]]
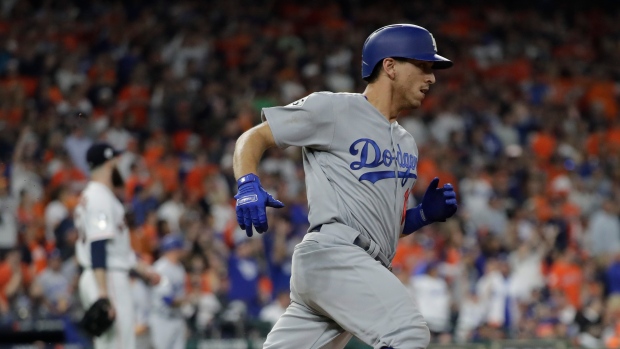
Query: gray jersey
[[359, 167], [171, 287]]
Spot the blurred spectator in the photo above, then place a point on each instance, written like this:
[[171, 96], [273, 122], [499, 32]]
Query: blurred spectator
[[612, 275], [203, 286], [433, 298], [52, 288], [76, 145], [244, 274], [272, 312], [8, 222], [279, 244], [15, 279], [471, 316], [492, 288], [172, 210], [566, 276], [526, 264], [56, 211], [604, 233], [24, 176]]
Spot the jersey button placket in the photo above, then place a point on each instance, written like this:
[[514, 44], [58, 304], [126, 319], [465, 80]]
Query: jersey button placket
[[396, 196]]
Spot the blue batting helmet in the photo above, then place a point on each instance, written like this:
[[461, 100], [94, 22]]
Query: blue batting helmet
[[171, 242], [401, 41]]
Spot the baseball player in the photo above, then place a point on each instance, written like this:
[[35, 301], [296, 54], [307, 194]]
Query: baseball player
[[360, 167], [166, 320], [103, 248]]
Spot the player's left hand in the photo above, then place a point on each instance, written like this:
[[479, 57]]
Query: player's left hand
[[252, 200], [439, 204]]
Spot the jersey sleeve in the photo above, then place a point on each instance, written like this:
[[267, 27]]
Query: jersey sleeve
[[309, 122], [99, 220]]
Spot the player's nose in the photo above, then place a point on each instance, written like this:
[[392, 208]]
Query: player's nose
[[430, 78]]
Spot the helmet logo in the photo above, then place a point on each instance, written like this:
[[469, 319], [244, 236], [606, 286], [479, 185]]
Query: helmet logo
[[434, 43]]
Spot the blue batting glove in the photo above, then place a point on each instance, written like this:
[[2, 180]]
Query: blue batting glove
[[437, 205], [252, 200]]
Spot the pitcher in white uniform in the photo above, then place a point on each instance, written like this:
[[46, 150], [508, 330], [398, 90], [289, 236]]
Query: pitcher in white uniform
[[360, 166], [103, 249]]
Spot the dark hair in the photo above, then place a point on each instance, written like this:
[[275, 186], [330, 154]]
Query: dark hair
[[377, 69]]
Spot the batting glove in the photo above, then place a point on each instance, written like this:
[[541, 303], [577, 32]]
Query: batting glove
[[437, 205], [252, 200]]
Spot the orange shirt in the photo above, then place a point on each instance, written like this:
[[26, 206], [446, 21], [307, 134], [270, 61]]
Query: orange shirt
[[427, 169], [567, 277], [149, 232], [66, 175], [407, 255], [603, 93], [12, 116], [613, 139], [39, 257], [543, 145], [6, 273], [141, 243], [205, 282], [195, 178], [152, 154], [594, 143], [137, 97], [168, 173]]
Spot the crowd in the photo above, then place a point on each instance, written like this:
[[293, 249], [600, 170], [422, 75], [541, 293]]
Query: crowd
[[526, 127]]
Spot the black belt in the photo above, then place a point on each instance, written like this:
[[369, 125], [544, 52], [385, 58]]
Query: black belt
[[366, 244]]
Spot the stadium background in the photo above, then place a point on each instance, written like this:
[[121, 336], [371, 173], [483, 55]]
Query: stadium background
[[525, 126]]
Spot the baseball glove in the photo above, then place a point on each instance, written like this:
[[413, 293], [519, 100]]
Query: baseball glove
[[97, 319]]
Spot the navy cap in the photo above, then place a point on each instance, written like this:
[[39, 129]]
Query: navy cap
[[99, 153]]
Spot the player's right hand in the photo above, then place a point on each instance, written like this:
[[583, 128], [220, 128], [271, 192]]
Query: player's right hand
[[111, 311], [252, 200]]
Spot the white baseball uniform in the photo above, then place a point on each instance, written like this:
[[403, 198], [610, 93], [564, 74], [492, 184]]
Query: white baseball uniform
[[100, 215], [166, 322]]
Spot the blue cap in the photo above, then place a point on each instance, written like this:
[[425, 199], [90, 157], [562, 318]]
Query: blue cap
[[171, 242]]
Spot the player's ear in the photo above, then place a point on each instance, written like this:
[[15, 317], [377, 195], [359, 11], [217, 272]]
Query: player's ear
[[389, 67]]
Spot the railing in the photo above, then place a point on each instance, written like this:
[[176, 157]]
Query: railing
[[50, 332]]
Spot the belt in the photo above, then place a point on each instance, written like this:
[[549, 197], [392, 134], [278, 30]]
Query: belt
[[368, 245]]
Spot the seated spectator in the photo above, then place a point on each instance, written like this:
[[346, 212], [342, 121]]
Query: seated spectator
[[15, 279], [272, 312], [53, 289]]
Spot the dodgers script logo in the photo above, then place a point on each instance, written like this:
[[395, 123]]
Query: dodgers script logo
[[371, 156]]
